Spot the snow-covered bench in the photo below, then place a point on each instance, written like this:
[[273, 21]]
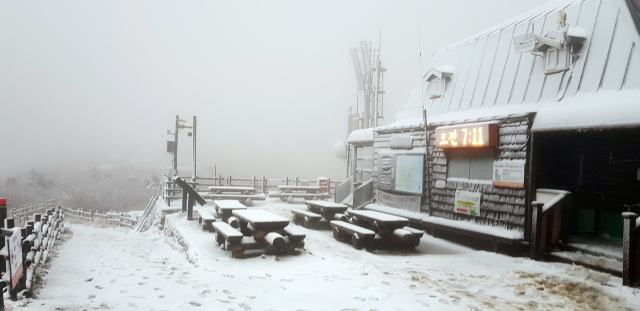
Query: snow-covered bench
[[359, 236], [473, 230], [206, 219], [225, 234]]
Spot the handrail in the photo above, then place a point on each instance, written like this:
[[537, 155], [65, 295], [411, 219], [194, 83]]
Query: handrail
[[549, 220], [363, 194]]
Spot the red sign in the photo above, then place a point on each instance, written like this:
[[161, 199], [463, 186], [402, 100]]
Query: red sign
[[14, 245]]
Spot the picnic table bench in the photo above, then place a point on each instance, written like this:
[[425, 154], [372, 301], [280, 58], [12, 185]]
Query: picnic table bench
[[289, 193], [205, 218], [246, 199], [316, 210], [258, 229], [225, 209], [389, 230], [232, 189], [360, 236]]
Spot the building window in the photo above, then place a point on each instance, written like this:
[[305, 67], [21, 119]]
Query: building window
[[470, 163], [436, 79]]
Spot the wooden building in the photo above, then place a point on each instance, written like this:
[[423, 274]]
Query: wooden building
[[533, 131]]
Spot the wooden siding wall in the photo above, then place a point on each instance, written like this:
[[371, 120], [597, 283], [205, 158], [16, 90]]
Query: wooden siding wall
[[381, 141], [505, 207]]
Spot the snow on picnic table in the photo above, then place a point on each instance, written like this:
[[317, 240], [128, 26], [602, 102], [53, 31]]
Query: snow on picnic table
[[113, 269]]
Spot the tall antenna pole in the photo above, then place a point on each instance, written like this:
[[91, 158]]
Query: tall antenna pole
[[424, 116], [175, 147], [377, 85]]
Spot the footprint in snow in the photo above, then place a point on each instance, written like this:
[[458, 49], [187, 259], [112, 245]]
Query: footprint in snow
[[88, 280], [193, 303], [91, 297], [98, 287], [223, 301], [244, 306], [142, 283]]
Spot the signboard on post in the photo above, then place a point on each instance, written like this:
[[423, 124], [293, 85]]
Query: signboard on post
[[15, 256], [467, 202], [405, 202], [508, 174]]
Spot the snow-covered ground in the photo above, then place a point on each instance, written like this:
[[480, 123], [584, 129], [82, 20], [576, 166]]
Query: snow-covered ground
[[181, 268]]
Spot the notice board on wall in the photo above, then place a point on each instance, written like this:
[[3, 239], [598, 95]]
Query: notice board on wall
[[409, 173]]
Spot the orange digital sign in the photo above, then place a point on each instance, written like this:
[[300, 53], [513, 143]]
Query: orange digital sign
[[467, 135]]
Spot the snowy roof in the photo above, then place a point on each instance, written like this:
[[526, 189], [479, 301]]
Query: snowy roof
[[599, 90], [361, 136]]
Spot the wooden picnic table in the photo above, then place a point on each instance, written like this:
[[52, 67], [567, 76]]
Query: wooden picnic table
[[380, 220], [325, 208], [226, 207], [232, 189], [260, 220], [306, 189]]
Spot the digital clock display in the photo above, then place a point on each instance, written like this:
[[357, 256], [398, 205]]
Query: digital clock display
[[467, 135]]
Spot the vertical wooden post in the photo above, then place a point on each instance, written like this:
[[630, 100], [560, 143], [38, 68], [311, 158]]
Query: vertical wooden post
[[253, 182], [8, 224], [264, 184], [286, 181], [190, 202], [629, 254], [297, 181], [536, 228], [229, 181], [184, 199]]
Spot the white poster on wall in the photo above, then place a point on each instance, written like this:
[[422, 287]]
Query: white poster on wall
[[409, 173], [467, 202], [405, 202], [508, 174]]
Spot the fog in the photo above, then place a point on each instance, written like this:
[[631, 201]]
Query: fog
[[85, 83]]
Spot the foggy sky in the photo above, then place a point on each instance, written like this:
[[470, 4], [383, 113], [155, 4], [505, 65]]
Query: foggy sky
[[90, 82]]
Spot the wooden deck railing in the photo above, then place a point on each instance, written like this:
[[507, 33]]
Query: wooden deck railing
[[550, 220], [170, 191]]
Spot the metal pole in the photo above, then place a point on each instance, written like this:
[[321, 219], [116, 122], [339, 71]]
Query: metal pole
[[194, 149], [175, 147]]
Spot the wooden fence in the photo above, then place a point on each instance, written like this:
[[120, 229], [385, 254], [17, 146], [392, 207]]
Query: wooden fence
[[21, 214], [121, 219], [262, 185], [38, 239]]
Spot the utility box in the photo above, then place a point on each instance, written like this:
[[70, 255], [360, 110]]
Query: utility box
[[170, 146]]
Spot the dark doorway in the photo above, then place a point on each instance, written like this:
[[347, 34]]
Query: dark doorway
[[601, 168]]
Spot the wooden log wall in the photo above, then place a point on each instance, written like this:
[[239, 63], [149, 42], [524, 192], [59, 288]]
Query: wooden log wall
[[500, 206]]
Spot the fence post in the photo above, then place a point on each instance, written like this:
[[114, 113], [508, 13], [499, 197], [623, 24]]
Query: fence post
[[629, 254], [91, 214], [286, 181], [297, 181], [253, 182], [536, 228], [264, 184]]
